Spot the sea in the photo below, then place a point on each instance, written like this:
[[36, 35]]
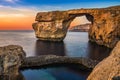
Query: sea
[[76, 44]]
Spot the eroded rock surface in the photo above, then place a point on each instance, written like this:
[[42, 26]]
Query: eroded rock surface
[[43, 60], [109, 68], [105, 28], [11, 58]]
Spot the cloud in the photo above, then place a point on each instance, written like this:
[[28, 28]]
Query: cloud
[[49, 8], [12, 1], [25, 10], [12, 15], [7, 11]]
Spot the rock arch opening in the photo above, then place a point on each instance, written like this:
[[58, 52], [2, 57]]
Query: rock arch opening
[[80, 23], [81, 20]]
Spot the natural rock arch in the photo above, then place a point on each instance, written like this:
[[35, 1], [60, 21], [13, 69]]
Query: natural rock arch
[[105, 29], [73, 16]]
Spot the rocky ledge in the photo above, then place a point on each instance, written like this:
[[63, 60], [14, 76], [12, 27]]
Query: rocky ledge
[[43, 60], [109, 68], [13, 58], [104, 30]]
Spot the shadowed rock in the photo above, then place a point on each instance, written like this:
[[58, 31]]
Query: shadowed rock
[[109, 68], [105, 28]]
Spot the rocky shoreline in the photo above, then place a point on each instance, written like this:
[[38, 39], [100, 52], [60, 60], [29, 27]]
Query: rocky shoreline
[[12, 59], [109, 68], [105, 30]]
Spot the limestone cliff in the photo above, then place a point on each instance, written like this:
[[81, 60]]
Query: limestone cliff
[[109, 68], [105, 28]]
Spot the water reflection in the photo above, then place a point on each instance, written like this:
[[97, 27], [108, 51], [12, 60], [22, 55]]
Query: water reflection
[[97, 52], [75, 45], [47, 48]]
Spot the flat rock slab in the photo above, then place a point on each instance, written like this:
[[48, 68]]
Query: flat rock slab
[[38, 61]]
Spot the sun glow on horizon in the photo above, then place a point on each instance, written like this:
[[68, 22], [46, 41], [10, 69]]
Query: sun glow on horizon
[[16, 18], [16, 23], [20, 14]]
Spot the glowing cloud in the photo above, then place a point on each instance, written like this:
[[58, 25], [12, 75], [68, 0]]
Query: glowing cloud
[[12, 1], [16, 18]]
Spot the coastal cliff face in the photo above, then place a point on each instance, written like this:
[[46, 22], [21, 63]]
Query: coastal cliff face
[[105, 28], [109, 68]]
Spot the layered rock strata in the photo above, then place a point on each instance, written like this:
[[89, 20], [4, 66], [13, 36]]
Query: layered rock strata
[[105, 28], [109, 68]]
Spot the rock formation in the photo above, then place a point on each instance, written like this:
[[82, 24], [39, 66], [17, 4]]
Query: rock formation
[[105, 28], [43, 60], [11, 58], [109, 68]]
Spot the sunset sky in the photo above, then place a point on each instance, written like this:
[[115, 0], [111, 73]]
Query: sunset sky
[[20, 14]]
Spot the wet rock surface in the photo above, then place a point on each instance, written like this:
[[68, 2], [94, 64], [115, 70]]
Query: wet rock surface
[[105, 28], [109, 68]]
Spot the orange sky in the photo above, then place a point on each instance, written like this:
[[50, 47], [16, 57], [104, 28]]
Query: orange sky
[[16, 23], [13, 18], [20, 14], [22, 19]]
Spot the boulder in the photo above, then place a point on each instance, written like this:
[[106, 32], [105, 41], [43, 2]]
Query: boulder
[[11, 58]]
